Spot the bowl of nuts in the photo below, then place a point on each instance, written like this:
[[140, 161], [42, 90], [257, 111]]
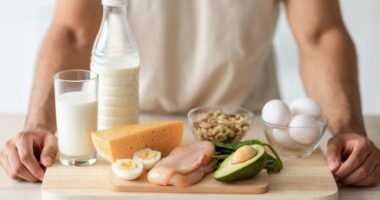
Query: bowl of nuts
[[220, 123]]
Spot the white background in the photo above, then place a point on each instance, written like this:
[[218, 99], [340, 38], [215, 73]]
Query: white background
[[24, 23]]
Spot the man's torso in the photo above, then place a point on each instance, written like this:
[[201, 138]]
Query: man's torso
[[204, 52]]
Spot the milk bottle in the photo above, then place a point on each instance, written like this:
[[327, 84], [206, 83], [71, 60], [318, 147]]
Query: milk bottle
[[116, 59]]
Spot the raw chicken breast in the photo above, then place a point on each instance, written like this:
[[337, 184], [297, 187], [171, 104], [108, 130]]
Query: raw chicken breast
[[191, 178], [184, 166]]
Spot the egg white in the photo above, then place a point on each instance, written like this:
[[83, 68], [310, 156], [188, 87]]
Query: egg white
[[147, 163], [127, 174]]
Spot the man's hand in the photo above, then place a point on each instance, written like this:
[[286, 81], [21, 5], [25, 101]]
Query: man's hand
[[354, 159], [67, 44], [25, 155]]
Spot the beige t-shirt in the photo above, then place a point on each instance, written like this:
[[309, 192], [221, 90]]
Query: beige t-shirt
[[204, 52]]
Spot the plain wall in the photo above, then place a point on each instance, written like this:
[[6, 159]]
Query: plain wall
[[23, 26]]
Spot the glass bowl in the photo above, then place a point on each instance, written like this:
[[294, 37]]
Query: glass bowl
[[220, 123], [282, 138]]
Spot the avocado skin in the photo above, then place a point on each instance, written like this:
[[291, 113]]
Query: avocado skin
[[246, 172]]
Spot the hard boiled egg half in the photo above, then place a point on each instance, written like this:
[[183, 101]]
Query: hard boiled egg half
[[148, 157], [127, 169]]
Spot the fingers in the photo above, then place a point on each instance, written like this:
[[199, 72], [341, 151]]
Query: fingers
[[26, 154], [16, 169], [3, 159], [371, 180], [18, 157], [359, 153], [49, 150], [362, 172], [360, 165], [334, 150]]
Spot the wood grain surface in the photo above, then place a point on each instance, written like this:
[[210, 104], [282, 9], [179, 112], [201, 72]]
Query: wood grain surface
[[257, 185], [301, 179], [280, 186]]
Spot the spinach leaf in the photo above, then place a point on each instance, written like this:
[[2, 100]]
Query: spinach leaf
[[272, 165], [236, 145]]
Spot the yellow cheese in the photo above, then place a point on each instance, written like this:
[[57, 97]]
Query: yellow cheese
[[121, 142]]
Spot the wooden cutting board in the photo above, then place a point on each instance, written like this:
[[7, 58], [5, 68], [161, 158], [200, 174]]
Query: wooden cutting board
[[257, 185], [301, 179]]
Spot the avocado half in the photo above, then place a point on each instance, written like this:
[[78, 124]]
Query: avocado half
[[228, 172]]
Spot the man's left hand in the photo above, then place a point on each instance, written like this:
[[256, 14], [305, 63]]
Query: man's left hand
[[354, 159]]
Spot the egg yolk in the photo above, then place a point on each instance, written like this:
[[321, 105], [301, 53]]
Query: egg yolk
[[147, 155], [127, 165]]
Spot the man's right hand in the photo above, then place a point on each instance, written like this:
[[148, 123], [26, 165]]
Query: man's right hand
[[68, 43], [24, 156]]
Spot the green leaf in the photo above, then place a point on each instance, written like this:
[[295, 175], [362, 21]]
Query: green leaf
[[220, 156], [273, 165]]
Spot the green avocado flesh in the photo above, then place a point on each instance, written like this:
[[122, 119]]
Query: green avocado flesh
[[228, 172]]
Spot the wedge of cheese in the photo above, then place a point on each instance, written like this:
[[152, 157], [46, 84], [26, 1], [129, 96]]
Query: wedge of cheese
[[121, 142]]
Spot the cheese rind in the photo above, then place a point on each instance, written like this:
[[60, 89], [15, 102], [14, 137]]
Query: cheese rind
[[121, 142]]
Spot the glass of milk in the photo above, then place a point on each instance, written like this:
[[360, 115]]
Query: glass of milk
[[76, 103]]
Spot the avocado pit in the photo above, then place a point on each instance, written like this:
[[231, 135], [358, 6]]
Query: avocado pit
[[243, 154]]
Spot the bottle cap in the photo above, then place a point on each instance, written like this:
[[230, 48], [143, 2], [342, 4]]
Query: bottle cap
[[114, 2]]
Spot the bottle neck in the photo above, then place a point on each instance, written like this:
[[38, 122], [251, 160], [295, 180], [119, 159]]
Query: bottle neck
[[115, 36], [114, 11]]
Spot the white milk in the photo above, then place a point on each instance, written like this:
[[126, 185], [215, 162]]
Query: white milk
[[116, 59], [118, 93], [76, 119]]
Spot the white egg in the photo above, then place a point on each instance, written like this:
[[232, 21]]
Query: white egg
[[147, 157], [127, 169], [276, 112], [304, 129], [283, 138], [306, 106]]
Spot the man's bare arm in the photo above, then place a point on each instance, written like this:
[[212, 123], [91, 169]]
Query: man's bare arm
[[67, 45], [328, 61], [330, 75]]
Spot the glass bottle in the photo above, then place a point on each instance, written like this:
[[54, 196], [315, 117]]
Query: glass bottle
[[115, 58]]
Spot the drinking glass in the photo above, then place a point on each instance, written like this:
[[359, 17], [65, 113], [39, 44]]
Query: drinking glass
[[76, 103]]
